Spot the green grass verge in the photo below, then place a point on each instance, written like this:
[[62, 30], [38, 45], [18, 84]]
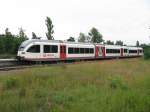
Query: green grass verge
[[103, 86]]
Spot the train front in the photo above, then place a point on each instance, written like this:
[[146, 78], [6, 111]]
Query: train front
[[21, 50]]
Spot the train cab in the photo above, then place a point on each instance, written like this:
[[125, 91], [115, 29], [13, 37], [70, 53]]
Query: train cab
[[39, 50]]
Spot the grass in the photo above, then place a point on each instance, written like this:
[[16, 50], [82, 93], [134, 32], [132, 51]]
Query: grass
[[102, 86]]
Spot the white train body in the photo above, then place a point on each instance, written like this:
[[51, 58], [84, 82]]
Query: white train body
[[45, 50], [78, 50]]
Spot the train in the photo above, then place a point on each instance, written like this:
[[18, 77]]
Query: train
[[53, 50]]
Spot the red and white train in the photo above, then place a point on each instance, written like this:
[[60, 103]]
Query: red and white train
[[46, 50]]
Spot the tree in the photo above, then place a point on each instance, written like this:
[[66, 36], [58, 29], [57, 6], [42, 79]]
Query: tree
[[22, 33], [2, 46], [50, 30], [71, 39], [96, 37], [34, 36], [82, 37], [119, 42], [137, 43], [8, 42], [109, 42], [8, 33]]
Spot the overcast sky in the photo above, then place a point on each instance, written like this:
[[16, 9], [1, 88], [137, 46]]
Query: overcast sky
[[126, 20]]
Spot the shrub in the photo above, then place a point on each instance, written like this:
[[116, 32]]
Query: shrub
[[147, 52]]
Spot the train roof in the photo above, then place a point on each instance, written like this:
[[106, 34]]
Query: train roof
[[27, 42]]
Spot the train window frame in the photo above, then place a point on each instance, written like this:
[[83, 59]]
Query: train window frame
[[38, 50]]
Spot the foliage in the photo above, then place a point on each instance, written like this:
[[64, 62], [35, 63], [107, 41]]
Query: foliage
[[50, 30], [71, 39], [119, 42], [82, 37], [9, 43], [95, 35], [2, 45], [137, 43], [109, 42], [22, 33], [146, 52]]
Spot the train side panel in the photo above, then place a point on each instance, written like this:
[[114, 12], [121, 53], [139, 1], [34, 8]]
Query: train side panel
[[80, 51], [112, 51]]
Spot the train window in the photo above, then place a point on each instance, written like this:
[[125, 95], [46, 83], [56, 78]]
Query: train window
[[70, 50], [82, 50], [141, 51], [132, 51], [87, 50], [91, 50], [76, 50], [125, 50], [107, 50], [54, 48], [100, 50], [34, 49], [50, 48], [117, 50], [47, 49], [112, 50]]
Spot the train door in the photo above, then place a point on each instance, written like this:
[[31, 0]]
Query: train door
[[104, 52], [138, 51], [98, 51], [121, 51], [62, 52]]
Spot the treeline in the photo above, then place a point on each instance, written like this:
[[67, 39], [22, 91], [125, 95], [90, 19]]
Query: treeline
[[94, 36], [9, 43], [146, 51]]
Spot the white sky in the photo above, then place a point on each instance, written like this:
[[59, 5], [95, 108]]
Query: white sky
[[126, 20]]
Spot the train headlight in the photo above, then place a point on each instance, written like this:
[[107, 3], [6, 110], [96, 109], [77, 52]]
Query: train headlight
[[23, 53]]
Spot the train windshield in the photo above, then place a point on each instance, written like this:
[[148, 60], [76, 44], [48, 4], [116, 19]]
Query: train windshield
[[24, 44]]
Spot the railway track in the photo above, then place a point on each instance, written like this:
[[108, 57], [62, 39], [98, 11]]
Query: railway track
[[13, 64], [7, 68]]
